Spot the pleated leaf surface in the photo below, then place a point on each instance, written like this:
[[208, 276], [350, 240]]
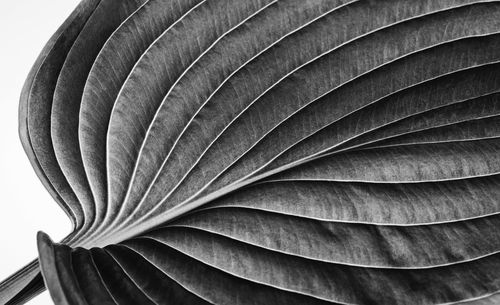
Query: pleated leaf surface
[[269, 152]]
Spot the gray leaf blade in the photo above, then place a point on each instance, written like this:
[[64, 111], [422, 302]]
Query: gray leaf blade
[[288, 152]]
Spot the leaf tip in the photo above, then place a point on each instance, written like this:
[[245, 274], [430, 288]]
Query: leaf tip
[[43, 240]]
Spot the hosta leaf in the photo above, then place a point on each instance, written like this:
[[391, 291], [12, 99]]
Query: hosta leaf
[[269, 152]]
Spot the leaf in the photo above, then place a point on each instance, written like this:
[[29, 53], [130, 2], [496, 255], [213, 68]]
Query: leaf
[[269, 152]]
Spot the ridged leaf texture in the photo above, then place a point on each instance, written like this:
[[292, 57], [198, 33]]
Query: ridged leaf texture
[[268, 152]]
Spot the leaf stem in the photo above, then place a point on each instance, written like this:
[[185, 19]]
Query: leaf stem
[[23, 285]]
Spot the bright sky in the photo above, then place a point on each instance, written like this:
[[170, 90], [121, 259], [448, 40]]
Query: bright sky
[[26, 207]]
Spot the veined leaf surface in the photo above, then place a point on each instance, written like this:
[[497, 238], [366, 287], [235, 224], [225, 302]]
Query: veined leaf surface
[[269, 152]]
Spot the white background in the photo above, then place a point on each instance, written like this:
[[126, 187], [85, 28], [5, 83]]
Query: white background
[[25, 206]]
